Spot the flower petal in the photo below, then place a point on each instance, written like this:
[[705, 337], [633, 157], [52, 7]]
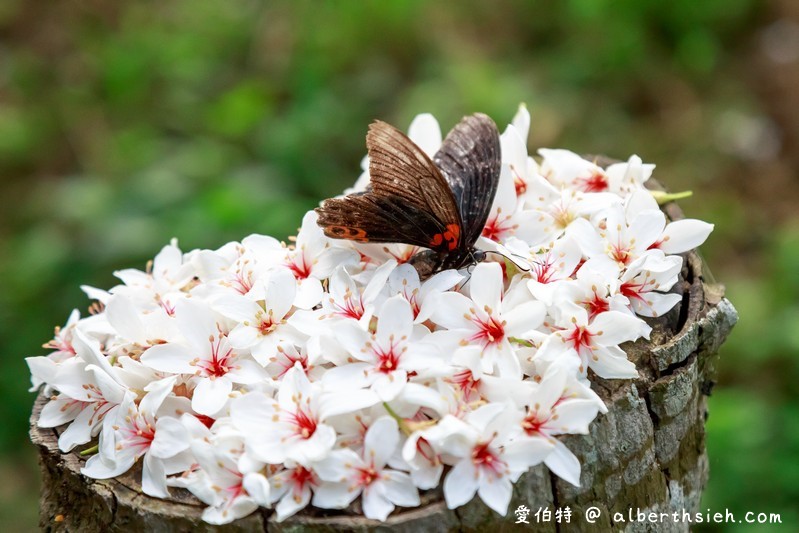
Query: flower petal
[[460, 485], [170, 357], [496, 494], [564, 463], [486, 285], [171, 438], [210, 395], [381, 441]]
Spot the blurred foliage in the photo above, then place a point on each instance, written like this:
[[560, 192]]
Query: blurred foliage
[[124, 124]]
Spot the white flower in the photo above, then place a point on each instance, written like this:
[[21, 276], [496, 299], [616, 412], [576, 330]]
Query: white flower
[[382, 360], [61, 344], [595, 343], [404, 280], [366, 474], [207, 355], [238, 267], [486, 459], [291, 488], [140, 432], [548, 267], [567, 169], [220, 482], [312, 259], [554, 410], [650, 273], [628, 232], [345, 301], [288, 428], [522, 167], [595, 289], [90, 392], [675, 237], [618, 240], [624, 178], [480, 327], [288, 356], [262, 324], [161, 283], [505, 218], [260, 374]]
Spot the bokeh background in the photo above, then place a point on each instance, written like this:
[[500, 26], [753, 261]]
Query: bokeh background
[[124, 124]]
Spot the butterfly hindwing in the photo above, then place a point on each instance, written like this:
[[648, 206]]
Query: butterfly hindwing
[[470, 160], [371, 217]]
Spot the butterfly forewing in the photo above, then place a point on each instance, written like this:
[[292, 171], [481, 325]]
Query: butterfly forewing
[[399, 168], [408, 200], [470, 159]]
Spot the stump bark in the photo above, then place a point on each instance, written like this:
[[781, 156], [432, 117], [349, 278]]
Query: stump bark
[[647, 452]]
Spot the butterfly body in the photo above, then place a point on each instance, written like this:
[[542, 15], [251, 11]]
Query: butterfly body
[[440, 204]]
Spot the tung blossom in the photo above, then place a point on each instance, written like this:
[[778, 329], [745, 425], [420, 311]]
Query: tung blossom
[[366, 474], [207, 355], [262, 324], [487, 460], [595, 343], [261, 375], [383, 360], [290, 427], [480, 327], [139, 432]]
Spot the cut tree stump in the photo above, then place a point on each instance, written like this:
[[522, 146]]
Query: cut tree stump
[[647, 452]]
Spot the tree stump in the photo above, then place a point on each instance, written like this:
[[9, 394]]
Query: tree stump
[[647, 452]]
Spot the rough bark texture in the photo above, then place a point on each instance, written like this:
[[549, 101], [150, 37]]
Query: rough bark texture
[[647, 452]]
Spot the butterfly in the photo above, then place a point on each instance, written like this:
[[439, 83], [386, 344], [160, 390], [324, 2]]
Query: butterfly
[[440, 204]]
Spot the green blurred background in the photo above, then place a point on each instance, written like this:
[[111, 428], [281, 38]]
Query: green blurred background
[[123, 124]]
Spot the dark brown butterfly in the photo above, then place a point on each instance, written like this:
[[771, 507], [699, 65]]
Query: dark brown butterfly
[[441, 204]]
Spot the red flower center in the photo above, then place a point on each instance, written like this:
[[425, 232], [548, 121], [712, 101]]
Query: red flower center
[[465, 381], [580, 338], [596, 182], [242, 283], [219, 363], [367, 476], [207, 421], [140, 434], [388, 360], [299, 266], [491, 331], [305, 424], [267, 324], [497, 226], [632, 290], [621, 253], [595, 305], [300, 477], [532, 424], [543, 269], [351, 308], [485, 458]]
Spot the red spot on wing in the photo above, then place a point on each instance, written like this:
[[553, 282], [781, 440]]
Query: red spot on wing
[[451, 237]]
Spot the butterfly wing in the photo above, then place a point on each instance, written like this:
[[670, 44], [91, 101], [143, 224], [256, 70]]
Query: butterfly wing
[[374, 218], [470, 160], [408, 201]]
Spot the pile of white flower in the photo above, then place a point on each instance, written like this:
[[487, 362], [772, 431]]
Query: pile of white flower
[[262, 374]]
